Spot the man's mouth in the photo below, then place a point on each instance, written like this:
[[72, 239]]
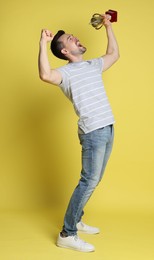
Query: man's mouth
[[78, 43]]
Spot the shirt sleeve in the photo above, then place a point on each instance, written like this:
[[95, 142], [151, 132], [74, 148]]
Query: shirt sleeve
[[65, 83], [101, 63], [98, 63]]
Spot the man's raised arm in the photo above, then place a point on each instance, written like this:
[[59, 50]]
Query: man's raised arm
[[112, 52], [45, 72]]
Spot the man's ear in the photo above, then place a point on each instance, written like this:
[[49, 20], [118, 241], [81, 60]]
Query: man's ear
[[64, 51]]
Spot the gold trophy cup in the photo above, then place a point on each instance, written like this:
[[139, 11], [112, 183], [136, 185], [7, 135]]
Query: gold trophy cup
[[97, 19]]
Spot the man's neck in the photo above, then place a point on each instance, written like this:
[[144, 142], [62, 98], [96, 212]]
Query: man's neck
[[76, 59]]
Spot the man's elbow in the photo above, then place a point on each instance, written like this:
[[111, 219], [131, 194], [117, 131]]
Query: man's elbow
[[116, 56], [43, 77], [53, 77]]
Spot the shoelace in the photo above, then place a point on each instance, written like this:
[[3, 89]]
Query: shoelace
[[76, 237]]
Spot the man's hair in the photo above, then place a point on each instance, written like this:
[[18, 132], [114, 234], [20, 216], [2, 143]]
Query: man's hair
[[56, 45]]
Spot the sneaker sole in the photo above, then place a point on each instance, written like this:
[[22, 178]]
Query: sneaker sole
[[76, 249]]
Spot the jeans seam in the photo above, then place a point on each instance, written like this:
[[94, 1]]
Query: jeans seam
[[88, 184]]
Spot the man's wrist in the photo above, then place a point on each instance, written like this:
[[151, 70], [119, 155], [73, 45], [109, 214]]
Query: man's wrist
[[108, 26], [43, 41], [109, 29]]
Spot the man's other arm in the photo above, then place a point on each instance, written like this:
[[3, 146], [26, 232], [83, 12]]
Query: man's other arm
[[45, 72], [112, 51]]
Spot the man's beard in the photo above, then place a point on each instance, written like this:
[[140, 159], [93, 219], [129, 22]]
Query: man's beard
[[81, 50]]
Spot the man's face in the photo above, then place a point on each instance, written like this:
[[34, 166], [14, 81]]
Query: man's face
[[72, 45]]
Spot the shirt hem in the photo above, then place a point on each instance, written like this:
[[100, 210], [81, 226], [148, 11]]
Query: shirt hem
[[81, 131]]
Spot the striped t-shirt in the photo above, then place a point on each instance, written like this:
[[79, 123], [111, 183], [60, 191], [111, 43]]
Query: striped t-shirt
[[82, 84]]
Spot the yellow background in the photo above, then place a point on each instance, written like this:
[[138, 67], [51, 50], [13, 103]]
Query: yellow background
[[40, 151]]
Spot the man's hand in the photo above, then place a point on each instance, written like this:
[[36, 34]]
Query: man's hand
[[106, 20], [46, 35]]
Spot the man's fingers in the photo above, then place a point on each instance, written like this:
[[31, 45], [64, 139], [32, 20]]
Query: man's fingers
[[47, 33], [108, 17]]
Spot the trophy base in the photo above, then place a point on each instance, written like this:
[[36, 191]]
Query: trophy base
[[113, 14]]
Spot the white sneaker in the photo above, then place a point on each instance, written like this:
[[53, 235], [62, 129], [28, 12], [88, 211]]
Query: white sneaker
[[87, 229], [75, 243]]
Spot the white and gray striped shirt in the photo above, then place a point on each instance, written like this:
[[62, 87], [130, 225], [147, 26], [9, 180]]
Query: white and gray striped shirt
[[82, 84]]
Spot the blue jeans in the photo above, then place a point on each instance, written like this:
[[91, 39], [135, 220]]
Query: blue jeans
[[96, 150]]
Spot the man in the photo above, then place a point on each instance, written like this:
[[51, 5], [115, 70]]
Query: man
[[81, 81]]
